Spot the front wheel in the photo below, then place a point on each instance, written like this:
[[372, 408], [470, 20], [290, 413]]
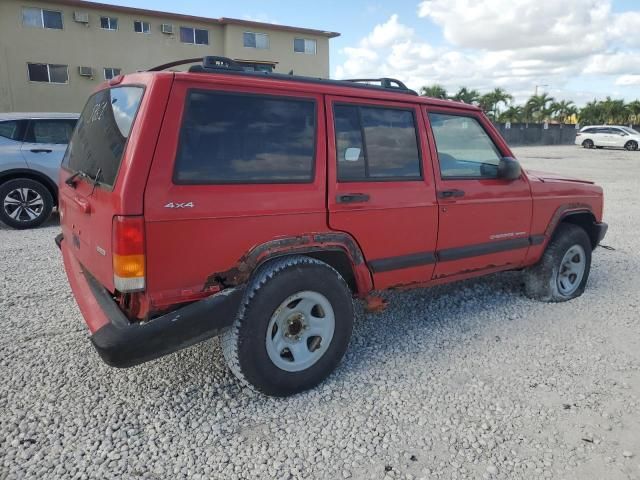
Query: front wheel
[[562, 272], [631, 145], [293, 326], [24, 203]]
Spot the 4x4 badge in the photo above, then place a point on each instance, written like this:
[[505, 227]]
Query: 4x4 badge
[[179, 205]]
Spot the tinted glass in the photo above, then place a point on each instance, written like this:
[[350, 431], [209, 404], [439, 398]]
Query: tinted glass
[[351, 164], [52, 19], [202, 37], [58, 74], [465, 150], [104, 22], [298, 45], [390, 143], [9, 130], [102, 131], [38, 72], [32, 17], [186, 35], [50, 131], [249, 40], [245, 138]]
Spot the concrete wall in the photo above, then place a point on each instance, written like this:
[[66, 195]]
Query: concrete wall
[[88, 45]]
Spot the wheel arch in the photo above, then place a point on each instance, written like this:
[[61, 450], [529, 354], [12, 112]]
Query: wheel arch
[[581, 216], [34, 175]]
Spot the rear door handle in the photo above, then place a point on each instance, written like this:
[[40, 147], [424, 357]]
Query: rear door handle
[[41, 150], [455, 193], [352, 198]]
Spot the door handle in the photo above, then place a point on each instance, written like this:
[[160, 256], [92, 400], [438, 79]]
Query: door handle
[[41, 150], [352, 198], [455, 193]]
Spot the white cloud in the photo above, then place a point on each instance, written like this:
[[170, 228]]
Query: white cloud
[[628, 80], [515, 44]]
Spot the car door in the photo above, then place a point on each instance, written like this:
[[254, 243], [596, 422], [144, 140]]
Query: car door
[[617, 137], [11, 135], [45, 143], [378, 189], [484, 221], [604, 137]]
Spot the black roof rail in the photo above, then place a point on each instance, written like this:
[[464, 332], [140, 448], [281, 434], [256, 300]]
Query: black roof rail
[[214, 64]]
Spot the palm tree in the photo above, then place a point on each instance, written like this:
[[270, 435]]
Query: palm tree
[[490, 102], [435, 91], [615, 110], [592, 113], [515, 113], [634, 111], [465, 95], [538, 107], [563, 110]]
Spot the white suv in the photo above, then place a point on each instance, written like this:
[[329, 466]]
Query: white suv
[[31, 149], [599, 136]]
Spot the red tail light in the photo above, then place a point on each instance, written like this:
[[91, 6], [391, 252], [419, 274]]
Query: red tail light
[[128, 254]]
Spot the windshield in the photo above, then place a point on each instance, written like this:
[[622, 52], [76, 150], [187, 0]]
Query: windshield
[[630, 130], [98, 142]]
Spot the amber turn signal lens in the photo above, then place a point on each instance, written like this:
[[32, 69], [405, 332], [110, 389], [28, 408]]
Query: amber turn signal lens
[[128, 266]]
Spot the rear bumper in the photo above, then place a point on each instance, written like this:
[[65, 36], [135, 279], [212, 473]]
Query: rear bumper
[[601, 231], [122, 343]]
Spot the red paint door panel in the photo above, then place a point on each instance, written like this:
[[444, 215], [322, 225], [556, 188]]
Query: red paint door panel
[[484, 220], [383, 194]]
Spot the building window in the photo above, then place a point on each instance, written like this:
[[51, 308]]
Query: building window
[[194, 36], [110, 72], [255, 40], [141, 27], [256, 67], [109, 23], [48, 73], [39, 18], [304, 45]]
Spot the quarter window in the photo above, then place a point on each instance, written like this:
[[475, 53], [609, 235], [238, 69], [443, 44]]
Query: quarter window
[[141, 27], [110, 72], [375, 143], [40, 18], [465, 150], [255, 40], [241, 138], [109, 23], [304, 45], [48, 73], [194, 36]]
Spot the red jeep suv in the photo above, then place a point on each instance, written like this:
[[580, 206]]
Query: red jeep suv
[[255, 206]]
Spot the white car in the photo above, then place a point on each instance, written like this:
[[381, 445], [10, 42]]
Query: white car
[[31, 149], [599, 136]]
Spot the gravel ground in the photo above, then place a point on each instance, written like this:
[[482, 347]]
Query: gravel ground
[[470, 380]]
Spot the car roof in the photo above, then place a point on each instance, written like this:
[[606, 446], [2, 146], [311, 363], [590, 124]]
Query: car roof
[[603, 126], [37, 115]]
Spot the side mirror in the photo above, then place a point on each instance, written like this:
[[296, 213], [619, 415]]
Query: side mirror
[[509, 168], [351, 154]]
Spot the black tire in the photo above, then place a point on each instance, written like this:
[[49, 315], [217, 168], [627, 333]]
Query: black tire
[[15, 215], [541, 280], [631, 145], [588, 143], [244, 343]]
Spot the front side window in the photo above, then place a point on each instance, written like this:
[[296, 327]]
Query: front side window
[[194, 36], [242, 138], [255, 40], [110, 72], [141, 27], [304, 45], [102, 132], [40, 18], [465, 150], [108, 23], [48, 73], [376, 143], [56, 131]]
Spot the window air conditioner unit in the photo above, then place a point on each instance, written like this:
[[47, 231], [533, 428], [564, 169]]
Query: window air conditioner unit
[[85, 71], [81, 17], [167, 28]]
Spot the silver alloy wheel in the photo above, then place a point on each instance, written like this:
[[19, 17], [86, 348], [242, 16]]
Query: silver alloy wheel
[[300, 331], [23, 204], [631, 145], [571, 271]]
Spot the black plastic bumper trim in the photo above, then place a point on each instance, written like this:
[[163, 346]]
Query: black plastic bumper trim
[[404, 261], [601, 231], [58, 240]]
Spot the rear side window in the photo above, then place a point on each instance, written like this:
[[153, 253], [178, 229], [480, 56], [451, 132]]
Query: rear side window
[[375, 143], [102, 132], [10, 130], [50, 131], [242, 138], [465, 150]]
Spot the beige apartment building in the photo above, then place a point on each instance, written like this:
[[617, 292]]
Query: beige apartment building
[[53, 54]]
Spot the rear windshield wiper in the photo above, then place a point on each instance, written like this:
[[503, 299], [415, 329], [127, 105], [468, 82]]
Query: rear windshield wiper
[[71, 181]]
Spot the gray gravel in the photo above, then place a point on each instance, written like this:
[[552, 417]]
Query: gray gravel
[[465, 381]]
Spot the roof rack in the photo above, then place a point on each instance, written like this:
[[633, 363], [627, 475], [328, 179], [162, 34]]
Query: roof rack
[[215, 64]]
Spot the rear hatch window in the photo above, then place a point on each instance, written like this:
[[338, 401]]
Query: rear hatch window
[[98, 143]]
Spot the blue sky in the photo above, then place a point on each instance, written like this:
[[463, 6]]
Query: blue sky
[[580, 49]]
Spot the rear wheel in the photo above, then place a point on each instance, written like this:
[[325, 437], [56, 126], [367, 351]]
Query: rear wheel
[[562, 272], [24, 203], [588, 143], [631, 145], [292, 328]]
